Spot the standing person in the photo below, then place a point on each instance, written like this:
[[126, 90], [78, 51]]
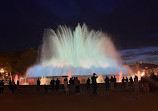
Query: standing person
[[52, 83], [18, 82], [88, 85], [123, 82], [131, 81], [94, 83], [70, 86], [112, 82], [126, 82], [66, 86], [38, 82], [57, 84], [77, 85], [107, 83], [136, 85], [13, 86], [73, 86], [145, 84], [115, 82]]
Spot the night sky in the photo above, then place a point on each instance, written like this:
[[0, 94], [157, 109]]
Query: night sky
[[132, 24]]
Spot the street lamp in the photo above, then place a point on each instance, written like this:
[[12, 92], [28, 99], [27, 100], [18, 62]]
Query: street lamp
[[2, 70]]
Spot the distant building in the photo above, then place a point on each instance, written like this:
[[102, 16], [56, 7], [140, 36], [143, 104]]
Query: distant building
[[147, 67]]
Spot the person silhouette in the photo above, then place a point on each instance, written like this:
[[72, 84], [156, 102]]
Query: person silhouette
[[126, 82], [13, 86], [66, 86], [136, 85], [38, 82], [115, 82], [88, 85], [126, 79], [94, 83], [111, 83], [57, 84], [52, 83], [77, 85], [107, 83], [70, 85], [123, 82], [18, 82], [131, 81]]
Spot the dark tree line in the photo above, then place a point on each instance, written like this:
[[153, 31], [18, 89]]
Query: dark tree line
[[18, 62]]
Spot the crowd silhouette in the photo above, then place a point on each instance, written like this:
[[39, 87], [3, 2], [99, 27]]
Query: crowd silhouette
[[72, 86]]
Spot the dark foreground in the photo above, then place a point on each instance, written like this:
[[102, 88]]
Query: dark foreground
[[33, 98]]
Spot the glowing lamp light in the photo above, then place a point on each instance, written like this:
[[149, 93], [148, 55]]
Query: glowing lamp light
[[142, 74], [2, 70]]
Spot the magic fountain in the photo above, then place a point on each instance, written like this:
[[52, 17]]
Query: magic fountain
[[81, 52]]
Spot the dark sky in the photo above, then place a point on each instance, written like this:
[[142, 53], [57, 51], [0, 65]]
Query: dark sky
[[132, 23]]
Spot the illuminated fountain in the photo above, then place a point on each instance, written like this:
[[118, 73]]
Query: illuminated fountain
[[16, 78], [139, 76], [100, 79], [44, 80], [81, 52], [120, 76], [69, 76], [23, 81]]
